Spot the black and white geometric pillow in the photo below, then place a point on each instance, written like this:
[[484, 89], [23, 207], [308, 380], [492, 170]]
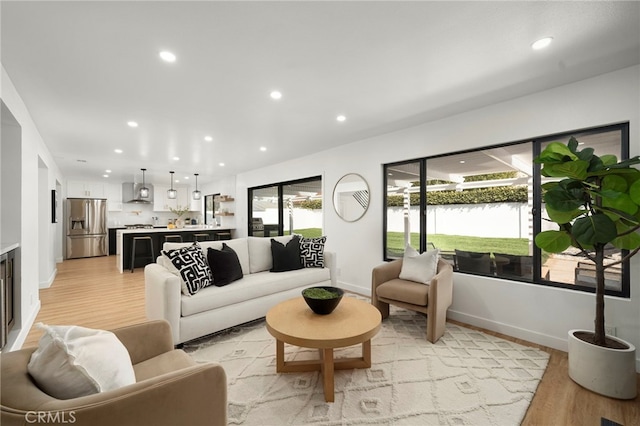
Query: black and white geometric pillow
[[312, 252], [193, 268]]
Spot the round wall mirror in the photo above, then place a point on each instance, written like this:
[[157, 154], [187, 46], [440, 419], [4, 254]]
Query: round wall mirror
[[351, 197]]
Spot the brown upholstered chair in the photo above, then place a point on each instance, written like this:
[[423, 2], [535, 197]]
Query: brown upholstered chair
[[171, 389], [432, 299]]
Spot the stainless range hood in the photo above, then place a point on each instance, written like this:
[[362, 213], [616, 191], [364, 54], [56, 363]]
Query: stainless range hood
[[131, 193]]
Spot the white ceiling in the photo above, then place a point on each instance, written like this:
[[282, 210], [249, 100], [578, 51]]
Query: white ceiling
[[86, 68]]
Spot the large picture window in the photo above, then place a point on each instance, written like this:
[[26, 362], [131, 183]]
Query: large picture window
[[481, 208], [285, 208]]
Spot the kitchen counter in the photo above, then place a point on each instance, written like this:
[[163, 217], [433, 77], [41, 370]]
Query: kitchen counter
[[7, 247], [125, 236]]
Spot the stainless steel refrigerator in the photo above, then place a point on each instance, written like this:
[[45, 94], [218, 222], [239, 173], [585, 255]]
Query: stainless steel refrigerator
[[86, 227]]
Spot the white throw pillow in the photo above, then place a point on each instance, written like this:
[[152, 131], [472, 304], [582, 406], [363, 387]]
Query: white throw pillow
[[419, 267], [260, 258], [73, 361]]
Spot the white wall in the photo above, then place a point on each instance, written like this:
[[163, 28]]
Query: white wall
[[33, 151], [499, 220], [532, 312]]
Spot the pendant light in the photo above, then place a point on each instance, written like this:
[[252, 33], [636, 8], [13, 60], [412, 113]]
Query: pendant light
[[144, 191], [172, 193], [196, 194]]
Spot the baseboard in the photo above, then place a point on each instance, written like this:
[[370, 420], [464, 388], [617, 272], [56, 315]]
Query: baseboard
[[354, 288], [49, 281], [509, 330], [18, 337]]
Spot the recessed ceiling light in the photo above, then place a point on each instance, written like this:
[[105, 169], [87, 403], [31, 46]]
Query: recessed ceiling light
[[221, 164], [186, 177], [341, 118], [176, 158], [208, 138], [105, 176], [132, 124], [117, 151], [167, 56], [542, 43], [263, 148], [276, 95], [461, 161], [107, 171]]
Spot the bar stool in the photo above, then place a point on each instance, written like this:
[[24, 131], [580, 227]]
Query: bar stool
[[223, 236], [133, 250], [173, 238], [200, 237]]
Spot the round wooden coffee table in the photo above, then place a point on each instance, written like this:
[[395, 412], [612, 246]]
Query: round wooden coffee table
[[351, 323]]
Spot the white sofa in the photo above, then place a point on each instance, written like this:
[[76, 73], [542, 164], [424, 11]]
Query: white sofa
[[216, 308]]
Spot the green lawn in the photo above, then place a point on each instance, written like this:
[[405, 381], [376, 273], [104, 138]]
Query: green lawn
[[307, 232], [449, 243]]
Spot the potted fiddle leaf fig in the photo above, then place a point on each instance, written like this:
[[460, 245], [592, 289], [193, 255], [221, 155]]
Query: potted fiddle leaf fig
[[596, 204]]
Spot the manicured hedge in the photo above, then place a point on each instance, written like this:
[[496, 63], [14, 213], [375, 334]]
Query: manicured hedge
[[499, 194]]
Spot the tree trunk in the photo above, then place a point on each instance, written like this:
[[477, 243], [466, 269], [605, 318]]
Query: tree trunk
[[599, 336]]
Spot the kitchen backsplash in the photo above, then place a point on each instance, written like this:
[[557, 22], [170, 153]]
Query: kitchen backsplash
[[143, 213]]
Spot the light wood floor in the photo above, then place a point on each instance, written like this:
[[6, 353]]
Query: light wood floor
[[92, 293]]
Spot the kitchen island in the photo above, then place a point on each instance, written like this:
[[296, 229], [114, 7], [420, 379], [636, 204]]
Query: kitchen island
[[124, 238]]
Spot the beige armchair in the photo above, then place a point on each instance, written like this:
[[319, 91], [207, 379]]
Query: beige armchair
[[433, 299], [171, 389]]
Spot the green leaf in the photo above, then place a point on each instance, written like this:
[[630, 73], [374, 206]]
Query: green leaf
[[614, 183], [576, 169], [622, 202], [549, 185], [562, 217], [634, 192], [627, 163], [626, 242], [561, 200], [609, 160], [573, 145], [555, 153], [586, 155], [553, 241], [591, 230]]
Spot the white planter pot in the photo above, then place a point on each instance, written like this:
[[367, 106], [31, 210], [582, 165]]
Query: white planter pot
[[609, 372]]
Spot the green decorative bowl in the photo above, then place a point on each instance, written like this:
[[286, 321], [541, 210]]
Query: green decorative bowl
[[322, 300]]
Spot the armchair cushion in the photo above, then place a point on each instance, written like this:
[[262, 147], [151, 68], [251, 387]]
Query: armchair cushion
[[405, 291], [418, 267], [73, 361]]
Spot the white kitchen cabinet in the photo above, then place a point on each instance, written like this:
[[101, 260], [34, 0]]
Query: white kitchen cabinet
[[161, 203], [114, 197], [86, 189]]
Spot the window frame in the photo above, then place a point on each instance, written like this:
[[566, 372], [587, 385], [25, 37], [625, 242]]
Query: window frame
[[536, 144], [280, 186]]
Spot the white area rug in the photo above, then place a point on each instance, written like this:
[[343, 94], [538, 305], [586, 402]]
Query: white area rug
[[466, 378]]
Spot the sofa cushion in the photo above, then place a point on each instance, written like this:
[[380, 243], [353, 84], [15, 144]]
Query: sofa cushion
[[73, 361], [192, 266], [239, 245], [286, 257], [419, 267], [404, 291], [260, 258], [250, 287], [224, 264], [312, 252]]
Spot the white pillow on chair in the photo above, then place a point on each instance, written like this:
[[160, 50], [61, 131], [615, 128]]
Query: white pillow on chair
[[419, 267], [73, 361]]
